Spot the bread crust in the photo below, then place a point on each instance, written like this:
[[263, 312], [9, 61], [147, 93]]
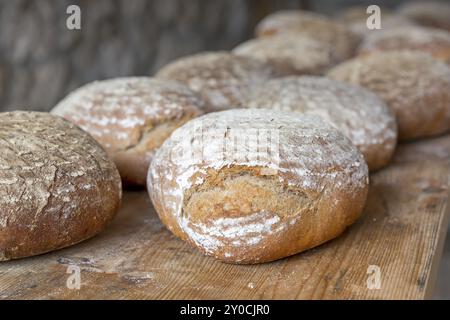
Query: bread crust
[[220, 77], [358, 113], [429, 40], [57, 185], [131, 118], [413, 84], [313, 25], [428, 13], [290, 53], [244, 206]]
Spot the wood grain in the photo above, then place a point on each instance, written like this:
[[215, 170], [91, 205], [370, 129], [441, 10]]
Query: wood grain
[[402, 231]]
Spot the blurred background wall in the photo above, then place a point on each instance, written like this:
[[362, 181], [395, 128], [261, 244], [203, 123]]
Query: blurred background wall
[[41, 60]]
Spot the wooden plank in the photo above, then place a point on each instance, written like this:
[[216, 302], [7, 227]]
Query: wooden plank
[[402, 232]]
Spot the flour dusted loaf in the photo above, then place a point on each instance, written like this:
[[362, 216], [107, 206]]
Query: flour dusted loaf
[[413, 84], [313, 25], [254, 185], [290, 53], [57, 185], [428, 13], [433, 41], [131, 118], [220, 77], [358, 113]]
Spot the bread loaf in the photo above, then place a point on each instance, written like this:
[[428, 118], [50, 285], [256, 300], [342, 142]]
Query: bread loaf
[[249, 186], [290, 53], [358, 113], [131, 118], [313, 25], [413, 84], [220, 77], [433, 41], [57, 186], [428, 13]]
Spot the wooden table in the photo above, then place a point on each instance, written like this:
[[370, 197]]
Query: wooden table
[[402, 232]]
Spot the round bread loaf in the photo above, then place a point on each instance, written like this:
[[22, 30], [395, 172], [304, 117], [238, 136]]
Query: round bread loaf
[[355, 18], [428, 13], [313, 25], [413, 84], [220, 77], [253, 185], [433, 41], [131, 118], [57, 185], [356, 112], [290, 53]]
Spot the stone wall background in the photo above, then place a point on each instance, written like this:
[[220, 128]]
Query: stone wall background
[[41, 60]]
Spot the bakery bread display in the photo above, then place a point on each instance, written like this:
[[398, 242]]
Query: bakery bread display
[[290, 53], [57, 185], [220, 77], [358, 113], [428, 13], [255, 185], [413, 84], [131, 118], [314, 25], [433, 41]]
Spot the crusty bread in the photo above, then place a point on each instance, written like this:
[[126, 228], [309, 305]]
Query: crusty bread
[[220, 77], [290, 53], [413, 84], [57, 186], [428, 13], [358, 113], [433, 41], [253, 185], [314, 25], [131, 118]]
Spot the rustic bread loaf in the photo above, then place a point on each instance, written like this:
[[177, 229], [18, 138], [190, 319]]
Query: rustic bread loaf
[[358, 113], [316, 26], [57, 186], [131, 118], [428, 13], [220, 77], [290, 53], [433, 41], [253, 185], [413, 84]]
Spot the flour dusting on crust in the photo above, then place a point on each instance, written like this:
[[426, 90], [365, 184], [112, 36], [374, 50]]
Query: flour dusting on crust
[[413, 84], [313, 25], [312, 156], [117, 112], [57, 186], [220, 77], [358, 113], [290, 53]]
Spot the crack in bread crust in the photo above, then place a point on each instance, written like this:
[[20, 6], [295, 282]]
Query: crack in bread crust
[[263, 193]]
